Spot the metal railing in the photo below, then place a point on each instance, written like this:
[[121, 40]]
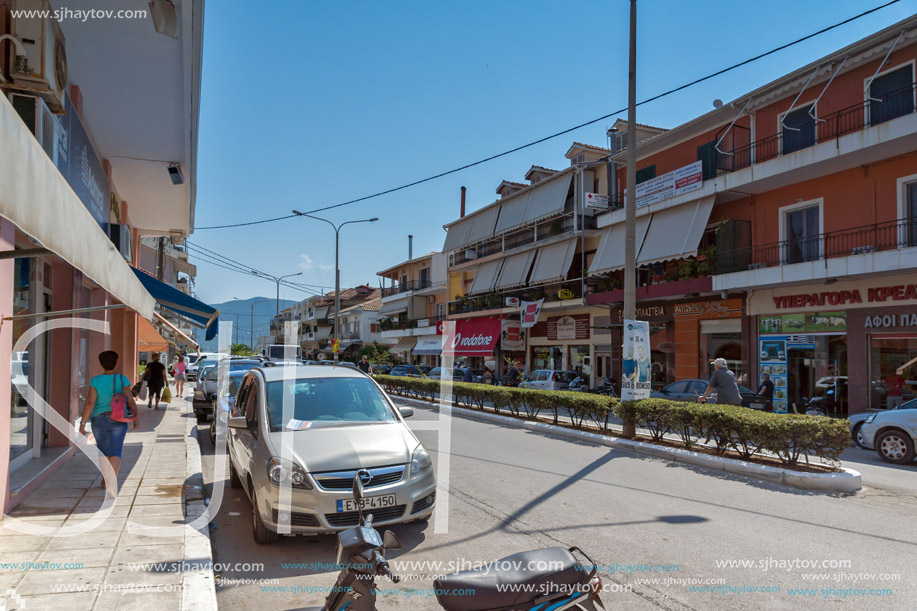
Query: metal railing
[[556, 291], [858, 240], [404, 287]]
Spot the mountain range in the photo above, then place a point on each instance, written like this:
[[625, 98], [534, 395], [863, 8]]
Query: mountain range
[[239, 312]]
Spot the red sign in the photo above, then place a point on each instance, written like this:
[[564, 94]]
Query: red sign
[[881, 294], [473, 337]]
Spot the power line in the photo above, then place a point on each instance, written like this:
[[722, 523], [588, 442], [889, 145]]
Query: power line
[[245, 268], [234, 266], [566, 131]]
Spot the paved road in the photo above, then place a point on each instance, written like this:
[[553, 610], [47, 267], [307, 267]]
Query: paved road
[[513, 490]]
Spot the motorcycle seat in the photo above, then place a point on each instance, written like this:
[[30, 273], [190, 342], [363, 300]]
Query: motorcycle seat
[[511, 582]]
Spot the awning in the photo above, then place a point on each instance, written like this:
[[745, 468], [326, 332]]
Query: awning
[[458, 234], [347, 343], [404, 345], [173, 299], [473, 337], [429, 346], [515, 270], [610, 254], [320, 313], [553, 262], [394, 307], [36, 198], [482, 225], [547, 199], [322, 333], [485, 277], [178, 333], [148, 338], [675, 233]]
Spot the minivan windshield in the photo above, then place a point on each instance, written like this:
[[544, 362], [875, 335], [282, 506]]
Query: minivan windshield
[[323, 401]]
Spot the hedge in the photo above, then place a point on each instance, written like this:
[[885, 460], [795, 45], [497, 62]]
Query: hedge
[[788, 436]]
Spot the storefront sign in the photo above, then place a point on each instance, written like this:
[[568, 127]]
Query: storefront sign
[[773, 361], [512, 302], [682, 180], [530, 312], [473, 337], [80, 166], [884, 321], [871, 292], [717, 308], [635, 373], [512, 337], [568, 327], [597, 200], [813, 322], [650, 313]]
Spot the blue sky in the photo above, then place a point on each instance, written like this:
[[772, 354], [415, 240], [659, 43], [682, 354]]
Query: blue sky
[[308, 104]]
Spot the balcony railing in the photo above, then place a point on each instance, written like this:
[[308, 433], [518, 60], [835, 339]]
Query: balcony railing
[[568, 289], [853, 118], [404, 287], [858, 240], [529, 235]]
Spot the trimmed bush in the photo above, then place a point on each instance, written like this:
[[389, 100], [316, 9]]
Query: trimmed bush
[[746, 431]]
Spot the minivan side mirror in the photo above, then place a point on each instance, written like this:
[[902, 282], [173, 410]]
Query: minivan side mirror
[[237, 422], [406, 412]]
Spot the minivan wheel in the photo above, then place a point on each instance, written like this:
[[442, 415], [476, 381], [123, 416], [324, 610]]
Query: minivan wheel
[[234, 480], [261, 532], [895, 447]]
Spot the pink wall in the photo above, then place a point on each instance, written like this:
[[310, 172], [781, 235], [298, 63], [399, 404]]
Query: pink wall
[[7, 242]]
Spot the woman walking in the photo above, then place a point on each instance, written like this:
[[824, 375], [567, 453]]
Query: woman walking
[[108, 433], [155, 376], [180, 368]]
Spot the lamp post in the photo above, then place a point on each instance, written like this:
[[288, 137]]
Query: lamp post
[[251, 321], [337, 268]]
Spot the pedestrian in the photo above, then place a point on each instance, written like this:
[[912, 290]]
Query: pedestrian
[[513, 375], [894, 382], [766, 389], [723, 383], [363, 365], [155, 376], [109, 434], [487, 378], [180, 367], [466, 373]]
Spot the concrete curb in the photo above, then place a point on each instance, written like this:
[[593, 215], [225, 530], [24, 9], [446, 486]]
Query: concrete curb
[[199, 585], [846, 480]]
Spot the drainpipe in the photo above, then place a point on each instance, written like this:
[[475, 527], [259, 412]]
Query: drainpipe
[[410, 247], [462, 214]]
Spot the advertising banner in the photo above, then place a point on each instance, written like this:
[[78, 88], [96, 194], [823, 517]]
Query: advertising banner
[[512, 337], [635, 375], [473, 337], [530, 312], [683, 180], [773, 361]]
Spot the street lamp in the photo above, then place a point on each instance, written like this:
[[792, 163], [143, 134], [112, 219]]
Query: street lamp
[[337, 268], [276, 279], [251, 321]]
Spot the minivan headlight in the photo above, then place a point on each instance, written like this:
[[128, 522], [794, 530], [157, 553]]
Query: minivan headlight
[[420, 461], [282, 471]]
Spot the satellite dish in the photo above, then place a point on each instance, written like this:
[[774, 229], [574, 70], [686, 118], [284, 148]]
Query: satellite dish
[[717, 103]]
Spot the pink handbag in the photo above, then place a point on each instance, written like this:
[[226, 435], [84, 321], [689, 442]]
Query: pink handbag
[[120, 410]]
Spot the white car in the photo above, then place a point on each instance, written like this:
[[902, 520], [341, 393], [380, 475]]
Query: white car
[[892, 434], [857, 420], [549, 379]]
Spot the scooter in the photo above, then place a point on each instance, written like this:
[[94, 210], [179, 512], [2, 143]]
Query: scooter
[[607, 388], [550, 578]]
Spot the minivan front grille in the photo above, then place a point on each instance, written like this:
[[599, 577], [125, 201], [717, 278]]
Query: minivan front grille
[[343, 480], [352, 518]]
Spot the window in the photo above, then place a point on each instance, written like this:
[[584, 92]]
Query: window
[[646, 173], [892, 371], [910, 211], [801, 233], [706, 154], [677, 387], [424, 277], [328, 401], [797, 130], [891, 94]]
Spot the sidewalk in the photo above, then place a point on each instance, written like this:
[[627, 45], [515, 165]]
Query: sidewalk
[[160, 481]]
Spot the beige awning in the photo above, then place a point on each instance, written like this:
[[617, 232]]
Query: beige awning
[[610, 254], [485, 277], [405, 344], [530, 205], [515, 270], [457, 235], [675, 233], [37, 199], [392, 308], [553, 262]]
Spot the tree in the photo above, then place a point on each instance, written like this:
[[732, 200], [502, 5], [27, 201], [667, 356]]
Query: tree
[[377, 353], [241, 350]]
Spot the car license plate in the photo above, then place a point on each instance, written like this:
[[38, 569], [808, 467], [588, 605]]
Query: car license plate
[[369, 502], [757, 406]]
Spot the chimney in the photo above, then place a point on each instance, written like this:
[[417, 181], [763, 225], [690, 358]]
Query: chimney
[[411, 247], [462, 215]]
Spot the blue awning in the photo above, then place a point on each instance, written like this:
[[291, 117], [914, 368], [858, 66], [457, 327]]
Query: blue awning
[[173, 299]]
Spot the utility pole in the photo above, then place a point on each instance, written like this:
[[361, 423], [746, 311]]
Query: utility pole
[[161, 260], [630, 204]]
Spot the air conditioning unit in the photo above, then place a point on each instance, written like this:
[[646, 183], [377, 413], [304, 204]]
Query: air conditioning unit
[[43, 124], [44, 67], [431, 299], [471, 254], [120, 235]]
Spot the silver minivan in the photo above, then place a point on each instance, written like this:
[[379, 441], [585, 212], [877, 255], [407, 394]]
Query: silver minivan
[[549, 379], [338, 421]]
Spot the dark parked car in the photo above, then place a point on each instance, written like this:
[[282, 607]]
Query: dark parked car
[[206, 389], [410, 371], [425, 369], [689, 390], [382, 369]]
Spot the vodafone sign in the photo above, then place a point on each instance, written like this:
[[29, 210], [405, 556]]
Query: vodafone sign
[[473, 337]]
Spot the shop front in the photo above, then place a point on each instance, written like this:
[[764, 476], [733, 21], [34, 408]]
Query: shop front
[[708, 330], [850, 346], [562, 342], [428, 350], [474, 341]]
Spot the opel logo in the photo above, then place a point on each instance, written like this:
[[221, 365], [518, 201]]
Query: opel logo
[[366, 478]]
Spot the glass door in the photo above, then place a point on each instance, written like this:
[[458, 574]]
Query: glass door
[[802, 235]]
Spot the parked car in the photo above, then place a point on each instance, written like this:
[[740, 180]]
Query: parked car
[[381, 369], [410, 371], [205, 390], [857, 420], [436, 373], [195, 363], [424, 369], [222, 403], [891, 434], [341, 422], [690, 390], [548, 379]]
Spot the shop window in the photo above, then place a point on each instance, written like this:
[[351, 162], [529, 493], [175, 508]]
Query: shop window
[[891, 95], [892, 370], [579, 360], [797, 130]]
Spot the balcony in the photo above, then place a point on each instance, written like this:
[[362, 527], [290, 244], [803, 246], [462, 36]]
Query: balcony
[[866, 239], [404, 287], [558, 291]]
